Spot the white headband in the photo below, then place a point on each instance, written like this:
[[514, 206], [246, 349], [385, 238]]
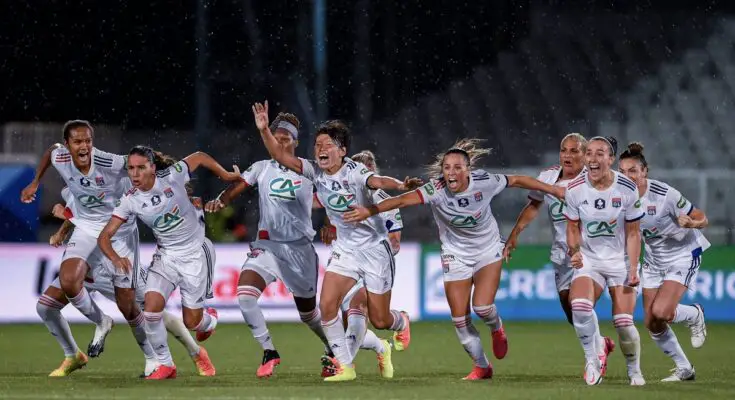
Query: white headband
[[291, 128], [612, 148]]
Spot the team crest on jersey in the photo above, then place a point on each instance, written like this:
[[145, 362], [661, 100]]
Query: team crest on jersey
[[91, 201], [602, 228], [651, 210], [168, 192], [335, 186], [156, 200], [556, 210], [99, 180], [478, 196], [463, 202], [616, 202], [340, 202], [117, 203], [84, 182], [465, 221], [169, 220], [600, 204], [284, 188], [346, 184]]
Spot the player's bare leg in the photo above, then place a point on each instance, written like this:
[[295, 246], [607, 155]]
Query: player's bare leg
[[458, 297], [334, 288], [582, 295], [249, 288], [486, 282], [49, 309], [623, 299], [175, 326], [382, 317]]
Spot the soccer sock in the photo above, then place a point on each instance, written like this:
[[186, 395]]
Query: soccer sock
[[583, 314], [398, 323], [49, 309], [84, 303], [156, 332], [599, 340], [176, 327], [356, 330], [686, 314], [470, 339], [372, 342], [489, 315], [313, 319], [207, 324], [630, 341], [137, 325], [248, 296], [336, 335], [667, 342]]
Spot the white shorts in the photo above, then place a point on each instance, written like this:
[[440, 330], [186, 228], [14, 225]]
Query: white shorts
[[294, 263], [374, 265], [609, 274], [683, 271], [192, 273], [84, 246], [563, 274], [348, 297], [457, 267]]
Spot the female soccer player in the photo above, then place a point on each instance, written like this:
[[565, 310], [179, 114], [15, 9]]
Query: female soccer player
[[361, 250], [571, 160], [160, 199], [603, 214], [471, 246], [284, 248], [674, 247]]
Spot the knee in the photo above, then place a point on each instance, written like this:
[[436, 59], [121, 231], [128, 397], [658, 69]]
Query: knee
[[662, 313], [192, 321], [70, 284], [328, 310], [381, 321], [129, 311]]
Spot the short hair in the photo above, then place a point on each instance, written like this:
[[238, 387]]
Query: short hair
[[578, 137], [337, 130], [76, 124]]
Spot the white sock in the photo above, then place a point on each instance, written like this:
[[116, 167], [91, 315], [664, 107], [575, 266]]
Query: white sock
[[137, 325], [630, 341], [248, 297], [489, 315], [583, 315], [49, 309], [398, 323], [667, 342], [84, 303], [599, 340], [470, 339], [371, 341], [686, 314], [207, 324], [313, 319], [175, 325], [156, 332], [336, 335], [355, 332]]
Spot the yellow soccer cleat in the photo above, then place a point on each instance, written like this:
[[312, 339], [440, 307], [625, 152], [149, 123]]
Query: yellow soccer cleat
[[344, 374], [402, 339], [385, 364], [70, 364]]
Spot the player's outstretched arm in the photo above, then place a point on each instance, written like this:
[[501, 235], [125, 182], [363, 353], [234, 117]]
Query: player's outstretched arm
[[388, 183], [277, 152], [527, 182], [29, 192], [203, 159], [226, 197], [527, 215], [105, 244], [360, 213]]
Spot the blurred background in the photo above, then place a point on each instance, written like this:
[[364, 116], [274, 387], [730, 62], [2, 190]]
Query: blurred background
[[409, 77]]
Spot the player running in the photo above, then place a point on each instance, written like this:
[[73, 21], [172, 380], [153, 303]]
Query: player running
[[284, 248], [460, 197], [603, 214], [361, 250], [571, 159], [96, 180], [674, 247], [182, 259]]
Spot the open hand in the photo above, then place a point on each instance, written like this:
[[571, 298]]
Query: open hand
[[122, 264], [214, 205], [260, 112], [356, 214], [411, 184], [28, 194]]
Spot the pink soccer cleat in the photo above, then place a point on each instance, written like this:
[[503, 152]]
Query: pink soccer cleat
[[162, 372], [479, 373], [402, 339], [271, 359], [500, 343], [202, 336], [609, 348]]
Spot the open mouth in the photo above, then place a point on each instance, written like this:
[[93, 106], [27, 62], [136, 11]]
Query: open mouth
[[322, 158], [83, 156], [594, 167]]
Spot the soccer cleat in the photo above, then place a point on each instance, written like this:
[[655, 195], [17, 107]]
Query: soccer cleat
[[270, 360], [344, 373], [150, 367], [162, 372], [698, 329], [680, 375], [203, 363], [609, 347], [70, 364], [330, 365], [500, 343], [636, 379], [385, 363], [202, 336], [97, 345], [479, 373], [402, 339], [592, 373]]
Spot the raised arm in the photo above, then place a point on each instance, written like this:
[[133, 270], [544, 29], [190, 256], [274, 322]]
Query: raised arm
[[29, 192], [105, 244], [526, 182], [277, 152], [388, 183], [633, 249], [195, 160], [528, 214], [360, 213]]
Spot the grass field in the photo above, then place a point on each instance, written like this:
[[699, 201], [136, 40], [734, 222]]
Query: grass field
[[544, 362]]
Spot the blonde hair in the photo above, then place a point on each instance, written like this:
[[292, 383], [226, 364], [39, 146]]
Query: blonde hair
[[366, 157], [578, 137], [469, 148]]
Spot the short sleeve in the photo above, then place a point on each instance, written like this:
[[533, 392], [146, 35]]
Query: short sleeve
[[60, 156], [123, 209], [677, 204], [429, 192], [633, 208], [66, 195], [535, 194], [114, 162], [309, 169], [394, 221], [360, 174], [497, 183], [571, 210], [178, 172], [250, 175]]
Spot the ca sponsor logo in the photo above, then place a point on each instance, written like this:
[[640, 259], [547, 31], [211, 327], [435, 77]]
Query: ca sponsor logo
[[556, 210], [340, 202], [601, 228], [90, 201], [465, 221], [168, 221], [650, 233], [284, 188]]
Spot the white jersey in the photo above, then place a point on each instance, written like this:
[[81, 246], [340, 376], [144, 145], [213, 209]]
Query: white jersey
[[176, 223], [555, 208], [392, 218], [95, 193], [466, 222], [337, 193], [665, 241], [602, 216], [285, 200]]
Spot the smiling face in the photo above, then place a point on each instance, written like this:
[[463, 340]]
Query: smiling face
[[456, 172], [634, 170], [141, 172], [329, 154], [79, 144], [571, 155], [598, 159]]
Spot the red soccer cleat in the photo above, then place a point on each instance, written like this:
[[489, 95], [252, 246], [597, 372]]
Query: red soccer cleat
[[330, 366], [609, 348], [500, 343], [162, 372], [479, 373], [271, 359], [202, 336], [203, 363]]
